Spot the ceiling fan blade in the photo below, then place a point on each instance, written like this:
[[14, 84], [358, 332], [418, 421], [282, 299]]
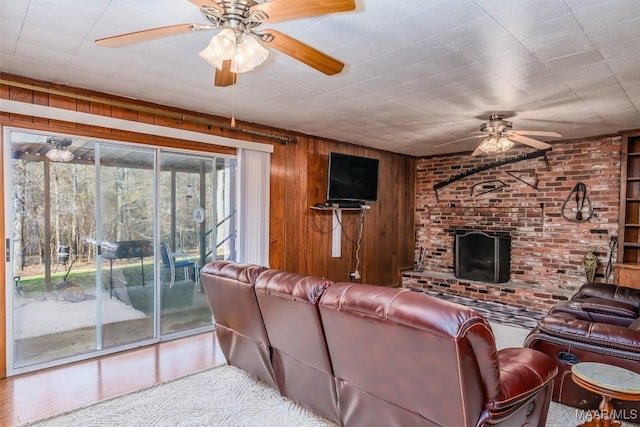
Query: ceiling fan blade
[[150, 34], [461, 139], [203, 3], [282, 10], [536, 133], [529, 141], [477, 152], [302, 52], [225, 77]]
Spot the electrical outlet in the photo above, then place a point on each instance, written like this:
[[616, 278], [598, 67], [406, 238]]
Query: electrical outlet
[[354, 275]]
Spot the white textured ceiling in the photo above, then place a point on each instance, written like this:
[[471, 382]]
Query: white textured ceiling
[[418, 73]]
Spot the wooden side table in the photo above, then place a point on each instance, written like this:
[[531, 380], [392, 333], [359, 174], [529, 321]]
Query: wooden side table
[[627, 275], [611, 382]]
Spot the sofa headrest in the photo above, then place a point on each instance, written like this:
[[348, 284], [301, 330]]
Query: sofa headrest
[[245, 273], [366, 324], [403, 306], [292, 285]]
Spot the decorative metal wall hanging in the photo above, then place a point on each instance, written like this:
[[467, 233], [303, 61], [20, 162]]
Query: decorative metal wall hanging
[[517, 175], [583, 210], [487, 187], [419, 263], [492, 165], [590, 264], [613, 247]]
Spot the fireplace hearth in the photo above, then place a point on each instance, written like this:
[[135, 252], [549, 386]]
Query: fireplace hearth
[[482, 256]]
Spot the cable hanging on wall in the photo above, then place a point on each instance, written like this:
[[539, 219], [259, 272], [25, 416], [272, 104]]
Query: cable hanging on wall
[[356, 273], [317, 228], [342, 226]]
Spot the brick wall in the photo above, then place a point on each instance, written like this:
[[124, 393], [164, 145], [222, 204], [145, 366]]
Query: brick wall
[[547, 249]]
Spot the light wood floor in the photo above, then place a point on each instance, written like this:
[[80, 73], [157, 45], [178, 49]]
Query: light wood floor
[[28, 397]]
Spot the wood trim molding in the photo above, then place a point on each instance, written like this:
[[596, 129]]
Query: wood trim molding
[[3, 284], [51, 113]]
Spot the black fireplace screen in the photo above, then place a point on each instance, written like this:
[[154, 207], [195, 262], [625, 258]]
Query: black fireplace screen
[[482, 257]]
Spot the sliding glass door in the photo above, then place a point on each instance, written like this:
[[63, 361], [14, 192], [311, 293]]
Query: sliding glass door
[[82, 229], [107, 240], [125, 238], [197, 224], [53, 297]]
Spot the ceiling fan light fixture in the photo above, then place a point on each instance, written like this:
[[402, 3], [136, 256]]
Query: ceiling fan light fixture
[[222, 47], [59, 152], [208, 55], [224, 44], [493, 144], [249, 54], [59, 155]]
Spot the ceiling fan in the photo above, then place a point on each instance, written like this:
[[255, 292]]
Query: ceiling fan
[[499, 136], [238, 47]]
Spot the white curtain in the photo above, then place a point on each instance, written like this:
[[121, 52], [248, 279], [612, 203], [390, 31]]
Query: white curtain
[[253, 199]]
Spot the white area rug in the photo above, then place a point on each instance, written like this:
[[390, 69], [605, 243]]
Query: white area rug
[[37, 317], [508, 336], [226, 396]]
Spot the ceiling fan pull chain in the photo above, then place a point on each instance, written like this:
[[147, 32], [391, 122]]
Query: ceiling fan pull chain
[[233, 102]]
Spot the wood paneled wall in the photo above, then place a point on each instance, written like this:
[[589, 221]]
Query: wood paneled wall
[[300, 238]]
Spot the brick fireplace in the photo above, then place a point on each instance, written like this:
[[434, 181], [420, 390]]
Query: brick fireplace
[[482, 256], [546, 249]]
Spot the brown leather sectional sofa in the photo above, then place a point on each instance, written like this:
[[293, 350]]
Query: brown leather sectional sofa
[[364, 355], [600, 323]]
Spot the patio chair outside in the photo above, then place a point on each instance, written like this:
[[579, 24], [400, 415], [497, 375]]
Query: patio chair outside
[[170, 263]]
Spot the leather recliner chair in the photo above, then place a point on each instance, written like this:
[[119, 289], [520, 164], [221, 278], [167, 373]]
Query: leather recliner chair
[[599, 323], [403, 358], [603, 303], [289, 306], [239, 326]]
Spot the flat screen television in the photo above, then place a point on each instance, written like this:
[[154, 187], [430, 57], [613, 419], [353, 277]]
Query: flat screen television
[[352, 178]]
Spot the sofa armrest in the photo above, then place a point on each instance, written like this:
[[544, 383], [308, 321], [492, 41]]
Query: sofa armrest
[[608, 291], [523, 373], [565, 325], [611, 307]]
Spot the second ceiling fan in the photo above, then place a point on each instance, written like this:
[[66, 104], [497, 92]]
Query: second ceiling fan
[[499, 136], [238, 47]]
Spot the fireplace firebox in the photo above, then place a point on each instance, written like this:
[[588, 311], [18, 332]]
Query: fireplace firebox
[[482, 256]]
